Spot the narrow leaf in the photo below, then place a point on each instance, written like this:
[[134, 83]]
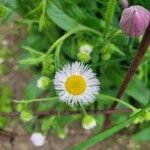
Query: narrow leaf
[[60, 18], [32, 61], [102, 136], [109, 14], [31, 50]]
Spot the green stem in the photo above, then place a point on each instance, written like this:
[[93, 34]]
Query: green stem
[[35, 100], [73, 31], [109, 14], [101, 96], [83, 109], [106, 97], [57, 55]]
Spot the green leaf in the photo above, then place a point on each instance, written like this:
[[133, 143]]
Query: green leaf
[[138, 90], [60, 18], [57, 53], [116, 49], [109, 14], [107, 133], [32, 61], [46, 124], [143, 135], [31, 90], [31, 50]]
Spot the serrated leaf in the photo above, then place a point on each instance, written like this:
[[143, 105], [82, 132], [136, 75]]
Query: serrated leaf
[[60, 18]]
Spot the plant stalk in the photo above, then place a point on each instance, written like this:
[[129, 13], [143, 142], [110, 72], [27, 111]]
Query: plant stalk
[[134, 65]]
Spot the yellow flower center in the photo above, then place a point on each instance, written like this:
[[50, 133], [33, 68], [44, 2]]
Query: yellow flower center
[[75, 85]]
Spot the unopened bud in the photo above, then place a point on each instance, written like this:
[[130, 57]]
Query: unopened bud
[[88, 122], [86, 48], [26, 115], [134, 20], [61, 134], [84, 57], [43, 82]]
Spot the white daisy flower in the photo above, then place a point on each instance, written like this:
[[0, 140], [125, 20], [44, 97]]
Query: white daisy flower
[[37, 139], [86, 48], [76, 83]]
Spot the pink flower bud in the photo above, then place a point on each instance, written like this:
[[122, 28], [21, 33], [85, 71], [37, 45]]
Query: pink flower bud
[[134, 20]]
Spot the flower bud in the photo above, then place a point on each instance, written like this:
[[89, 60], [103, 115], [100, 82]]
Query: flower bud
[[84, 57], [134, 20], [86, 48], [43, 82], [88, 122], [139, 119], [26, 115], [106, 56], [61, 134], [37, 139], [48, 65]]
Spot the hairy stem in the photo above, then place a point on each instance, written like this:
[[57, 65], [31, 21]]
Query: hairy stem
[[73, 31]]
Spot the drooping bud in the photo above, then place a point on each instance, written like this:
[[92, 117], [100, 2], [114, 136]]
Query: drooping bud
[[88, 122], [134, 20], [84, 53], [86, 48], [84, 57], [48, 65], [61, 134], [26, 115], [37, 139], [43, 82]]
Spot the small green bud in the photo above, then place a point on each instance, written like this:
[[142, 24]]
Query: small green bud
[[86, 48], [43, 82], [84, 57], [88, 122], [48, 65], [139, 119], [106, 56], [61, 134], [26, 115]]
